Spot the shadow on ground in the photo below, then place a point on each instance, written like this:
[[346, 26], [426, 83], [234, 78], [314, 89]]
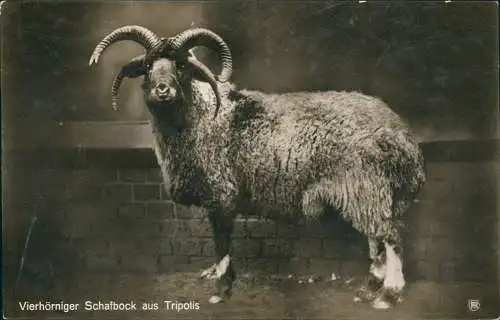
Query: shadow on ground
[[257, 297]]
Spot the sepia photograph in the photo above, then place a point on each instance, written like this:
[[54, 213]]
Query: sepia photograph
[[250, 159]]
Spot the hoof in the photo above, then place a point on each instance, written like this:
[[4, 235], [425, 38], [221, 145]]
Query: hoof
[[364, 294], [381, 304], [387, 298], [215, 299], [369, 290]]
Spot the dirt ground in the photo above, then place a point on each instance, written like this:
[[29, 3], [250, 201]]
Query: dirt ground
[[258, 297]]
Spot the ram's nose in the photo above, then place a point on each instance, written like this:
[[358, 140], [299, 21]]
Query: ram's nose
[[163, 90]]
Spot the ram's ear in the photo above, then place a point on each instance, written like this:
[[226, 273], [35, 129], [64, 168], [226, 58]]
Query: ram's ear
[[187, 66], [135, 67], [191, 54]]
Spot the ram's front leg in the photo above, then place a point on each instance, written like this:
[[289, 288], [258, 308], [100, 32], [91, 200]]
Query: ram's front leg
[[222, 271]]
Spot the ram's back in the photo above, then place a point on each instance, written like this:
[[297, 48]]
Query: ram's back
[[270, 148], [277, 145]]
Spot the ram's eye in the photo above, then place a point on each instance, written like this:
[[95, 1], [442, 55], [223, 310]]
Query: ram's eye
[[181, 65]]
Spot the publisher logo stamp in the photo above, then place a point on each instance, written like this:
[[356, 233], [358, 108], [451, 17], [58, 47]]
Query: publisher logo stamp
[[474, 305]]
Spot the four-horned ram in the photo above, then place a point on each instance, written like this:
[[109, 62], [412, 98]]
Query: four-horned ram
[[294, 154]]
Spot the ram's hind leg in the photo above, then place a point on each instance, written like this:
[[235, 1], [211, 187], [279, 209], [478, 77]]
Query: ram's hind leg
[[394, 281], [222, 271], [373, 282]]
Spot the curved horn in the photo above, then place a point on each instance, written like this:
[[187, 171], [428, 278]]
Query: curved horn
[[205, 74], [135, 68], [141, 35], [203, 37]]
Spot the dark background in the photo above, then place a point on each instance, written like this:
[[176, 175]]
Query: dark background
[[434, 63], [87, 173]]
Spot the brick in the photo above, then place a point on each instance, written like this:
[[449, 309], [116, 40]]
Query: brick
[[172, 263], [298, 266], [201, 263], [76, 176], [417, 249], [199, 212], [260, 228], [435, 190], [93, 246], [175, 228], [441, 249], [473, 270], [187, 246], [131, 210], [470, 249], [324, 267], [247, 247], [92, 175], [308, 248], [81, 193], [277, 247], [160, 210], [154, 246], [138, 263], [103, 175], [135, 228], [424, 270], [355, 250], [154, 175], [119, 192], [315, 230], [356, 268], [189, 212], [208, 247], [87, 218], [334, 249], [91, 228], [146, 192], [285, 230], [119, 247], [132, 175], [240, 229], [199, 227], [239, 263], [262, 266]]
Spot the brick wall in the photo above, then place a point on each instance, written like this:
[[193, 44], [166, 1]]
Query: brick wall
[[117, 218]]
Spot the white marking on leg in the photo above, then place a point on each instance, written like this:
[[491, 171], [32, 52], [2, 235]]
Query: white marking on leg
[[221, 267], [394, 275], [378, 269], [209, 273], [220, 270], [394, 278]]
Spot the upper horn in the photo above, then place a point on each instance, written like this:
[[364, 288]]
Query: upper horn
[[200, 36], [145, 37]]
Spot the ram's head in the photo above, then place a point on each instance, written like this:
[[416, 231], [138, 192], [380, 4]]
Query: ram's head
[[167, 63]]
